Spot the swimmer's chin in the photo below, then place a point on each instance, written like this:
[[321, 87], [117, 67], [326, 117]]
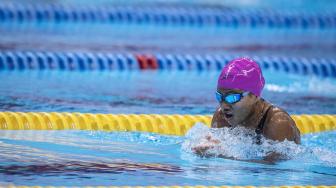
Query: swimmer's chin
[[231, 122], [234, 124]]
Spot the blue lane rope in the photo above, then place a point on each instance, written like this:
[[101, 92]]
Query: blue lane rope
[[194, 16], [84, 61]]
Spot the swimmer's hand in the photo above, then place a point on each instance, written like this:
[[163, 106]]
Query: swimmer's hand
[[208, 143]]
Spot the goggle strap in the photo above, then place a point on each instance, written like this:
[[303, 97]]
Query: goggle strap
[[245, 93]]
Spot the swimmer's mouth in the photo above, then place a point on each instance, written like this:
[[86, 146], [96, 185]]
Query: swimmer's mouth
[[228, 115]]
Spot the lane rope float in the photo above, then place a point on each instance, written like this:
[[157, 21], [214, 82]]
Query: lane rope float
[[170, 15], [86, 61], [175, 124]]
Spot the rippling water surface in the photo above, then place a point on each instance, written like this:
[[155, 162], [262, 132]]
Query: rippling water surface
[[101, 158], [151, 92]]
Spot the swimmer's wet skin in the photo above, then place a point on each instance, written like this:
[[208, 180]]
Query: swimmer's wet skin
[[238, 92]]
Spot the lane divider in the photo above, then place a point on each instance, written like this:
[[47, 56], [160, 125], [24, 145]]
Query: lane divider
[[147, 61], [175, 124], [190, 16], [84, 61]]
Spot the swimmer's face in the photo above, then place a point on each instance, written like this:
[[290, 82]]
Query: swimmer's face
[[237, 113]]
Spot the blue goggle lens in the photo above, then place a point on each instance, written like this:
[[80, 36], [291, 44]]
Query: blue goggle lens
[[230, 98]]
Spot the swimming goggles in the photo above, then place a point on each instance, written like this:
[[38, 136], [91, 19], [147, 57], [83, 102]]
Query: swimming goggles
[[230, 98]]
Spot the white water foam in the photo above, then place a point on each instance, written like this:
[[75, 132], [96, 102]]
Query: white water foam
[[239, 143], [312, 85]]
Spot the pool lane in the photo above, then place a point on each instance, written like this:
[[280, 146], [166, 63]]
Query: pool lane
[[182, 92]]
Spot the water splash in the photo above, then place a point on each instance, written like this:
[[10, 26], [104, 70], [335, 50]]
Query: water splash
[[298, 84], [239, 143]]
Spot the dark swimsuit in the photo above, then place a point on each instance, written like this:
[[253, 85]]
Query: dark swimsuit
[[261, 125]]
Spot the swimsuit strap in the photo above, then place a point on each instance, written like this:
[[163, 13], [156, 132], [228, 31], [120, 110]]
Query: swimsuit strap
[[261, 125]]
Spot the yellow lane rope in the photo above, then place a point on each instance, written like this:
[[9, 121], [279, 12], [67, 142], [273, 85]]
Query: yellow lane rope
[[163, 124]]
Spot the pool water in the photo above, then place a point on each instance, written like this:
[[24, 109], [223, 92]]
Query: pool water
[[72, 37], [169, 92], [105, 158], [81, 158]]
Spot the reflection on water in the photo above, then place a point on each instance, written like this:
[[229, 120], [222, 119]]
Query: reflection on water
[[84, 167]]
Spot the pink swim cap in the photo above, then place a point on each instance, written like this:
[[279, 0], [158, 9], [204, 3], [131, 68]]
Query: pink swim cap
[[243, 74]]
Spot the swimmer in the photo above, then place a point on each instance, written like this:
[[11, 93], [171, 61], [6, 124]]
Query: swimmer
[[238, 92]]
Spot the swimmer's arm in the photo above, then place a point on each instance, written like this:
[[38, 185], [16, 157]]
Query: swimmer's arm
[[259, 161], [267, 160], [280, 127], [202, 149], [217, 122]]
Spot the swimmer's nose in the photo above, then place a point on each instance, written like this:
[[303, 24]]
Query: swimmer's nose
[[225, 107]]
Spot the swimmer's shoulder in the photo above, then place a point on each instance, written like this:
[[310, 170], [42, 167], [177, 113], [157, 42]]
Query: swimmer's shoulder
[[218, 120], [280, 126]]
